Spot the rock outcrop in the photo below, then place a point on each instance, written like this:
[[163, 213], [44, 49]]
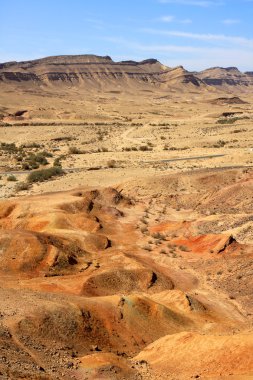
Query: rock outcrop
[[92, 70]]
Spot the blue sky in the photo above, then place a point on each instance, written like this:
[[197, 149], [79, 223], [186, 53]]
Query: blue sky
[[194, 33]]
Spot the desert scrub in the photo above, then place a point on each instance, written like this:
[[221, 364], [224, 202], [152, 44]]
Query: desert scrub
[[158, 236], [231, 120], [31, 145], [10, 148], [33, 161], [111, 164], [44, 174], [57, 161], [219, 144], [74, 150], [145, 148], [22, 186], [11, 178], [129, 149]]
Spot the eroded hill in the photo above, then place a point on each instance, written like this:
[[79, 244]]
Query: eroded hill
[[114, 284]]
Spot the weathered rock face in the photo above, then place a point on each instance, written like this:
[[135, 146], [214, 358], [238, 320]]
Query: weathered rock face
[[230, 76], [18, 76], [80, 69], [92, 70]]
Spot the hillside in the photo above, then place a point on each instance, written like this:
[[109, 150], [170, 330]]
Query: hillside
[[126, 221], [92, 70], [108, 284]]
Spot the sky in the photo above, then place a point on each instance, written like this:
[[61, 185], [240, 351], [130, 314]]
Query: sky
[[194, 33]]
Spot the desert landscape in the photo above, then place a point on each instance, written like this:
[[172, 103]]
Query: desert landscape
[[126, 220]]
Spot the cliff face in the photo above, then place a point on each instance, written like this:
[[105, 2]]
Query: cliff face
[[181, 76], [18, 76], [78, 69], [92, 70], [230, 76]]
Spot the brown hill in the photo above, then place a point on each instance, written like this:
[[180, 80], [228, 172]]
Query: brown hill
[[231, 76], [92, 70], [188, 355], [93, 285], [91, 87], [84, 70]]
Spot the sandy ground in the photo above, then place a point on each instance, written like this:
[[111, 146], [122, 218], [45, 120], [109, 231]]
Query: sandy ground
[[127, 266], [170, 129]]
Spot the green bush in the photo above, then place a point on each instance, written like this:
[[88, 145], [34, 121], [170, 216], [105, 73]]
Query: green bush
[[44, 174]]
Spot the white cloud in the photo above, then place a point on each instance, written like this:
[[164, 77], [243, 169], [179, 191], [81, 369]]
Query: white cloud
[[186, 21], [191, 57], [198, 58], [212, 58], [167, 18], [203, 37], [169, 48], [198, 3], [231, 21]]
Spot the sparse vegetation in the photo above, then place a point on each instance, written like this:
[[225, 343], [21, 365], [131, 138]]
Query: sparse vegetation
[[9, 147], [111, 164], [57, 161], [158, 236], [219, 144], [31, 145], [22, 186], [44, 174], [145, 148], [34, 160], [11, 178], [75, 150], [231, 120]]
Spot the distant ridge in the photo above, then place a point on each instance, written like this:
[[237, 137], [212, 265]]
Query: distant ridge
[[93, 71]]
